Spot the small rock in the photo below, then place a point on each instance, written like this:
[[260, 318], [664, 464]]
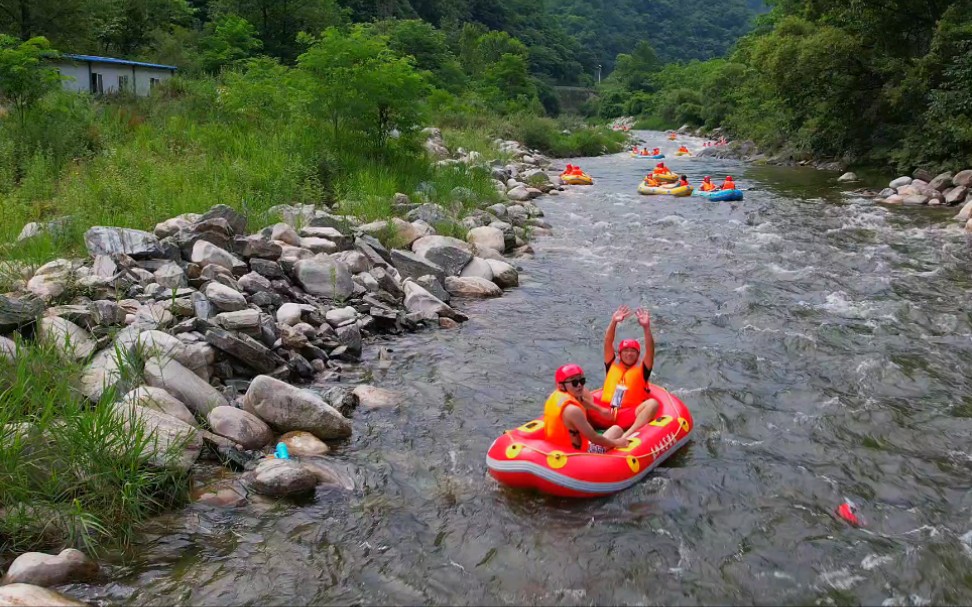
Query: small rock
[[284, 233], [472, 287], [432, 285], [281, 478], [942, 182], [171, 276], [847, 177], [372, 397], [318, 245], [224, 298], [411, 265], [966, 213], [241, 427], [247, 320], [290, 313], [956, 195], [418, 300], [451, 254], [923, 175], [301, 444], [447, 323], [267, 268], [246, 349], [255, 283], [206, 253], [341, 316]]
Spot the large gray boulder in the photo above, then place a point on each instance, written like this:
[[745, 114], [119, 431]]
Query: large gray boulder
[[240, 427], [478, 268], [504, 274], [324, 277], [177, 380], [172, 442], [410, 265], [69, 338], [41, 569], [161, 401], [451, 254], [420, 301], [105, 369], [288, 408], [102, 240], [900, 182], [956, 195], [965, 213], [487, 237], [963, 178], [942, 182], [245, 349]]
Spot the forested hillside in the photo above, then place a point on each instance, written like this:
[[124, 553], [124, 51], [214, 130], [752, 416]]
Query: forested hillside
[[677, 29], [566, 39], [885, 82]]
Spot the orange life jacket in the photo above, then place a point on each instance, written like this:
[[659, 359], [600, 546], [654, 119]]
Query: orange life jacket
[[683, 149], [683, 182], [652, 182], [729, 185], [707, 186], [553, 420], [633, 378]]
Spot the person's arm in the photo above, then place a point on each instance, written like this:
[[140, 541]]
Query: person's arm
[[644, 319], [576, 417], [617, 317]]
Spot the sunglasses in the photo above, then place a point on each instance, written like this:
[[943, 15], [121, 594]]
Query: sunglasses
[[577, 382]]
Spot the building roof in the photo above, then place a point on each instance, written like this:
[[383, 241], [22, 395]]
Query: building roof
[[95, 59]]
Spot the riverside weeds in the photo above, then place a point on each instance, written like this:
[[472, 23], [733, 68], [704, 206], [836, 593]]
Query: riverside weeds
[[74, 473]]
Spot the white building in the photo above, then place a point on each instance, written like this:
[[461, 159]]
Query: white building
[[87, 73]]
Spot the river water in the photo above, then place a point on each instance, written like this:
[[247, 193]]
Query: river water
[[821, 342]]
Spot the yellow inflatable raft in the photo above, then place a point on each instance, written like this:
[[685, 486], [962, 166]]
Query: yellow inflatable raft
[[584, 179], [683, 153], [678, 191], [665, 177]]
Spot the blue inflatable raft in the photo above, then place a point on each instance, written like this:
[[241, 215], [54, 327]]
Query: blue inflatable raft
[[720, 195]]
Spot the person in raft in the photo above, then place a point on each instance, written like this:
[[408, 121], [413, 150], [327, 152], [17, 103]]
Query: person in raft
[[707, 185], [565, 415], [683, 181], [728, 184], [626, 386], [683, 149], [661, 169]]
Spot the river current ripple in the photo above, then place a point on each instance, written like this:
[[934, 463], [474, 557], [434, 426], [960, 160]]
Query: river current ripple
[[821, 342]]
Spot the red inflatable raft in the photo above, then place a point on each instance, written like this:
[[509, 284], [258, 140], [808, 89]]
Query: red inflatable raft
[[523, 458]]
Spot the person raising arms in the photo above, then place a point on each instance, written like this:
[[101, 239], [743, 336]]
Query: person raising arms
[[626, 386]]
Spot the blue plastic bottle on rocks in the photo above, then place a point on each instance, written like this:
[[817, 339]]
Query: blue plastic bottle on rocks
[[282, 452]]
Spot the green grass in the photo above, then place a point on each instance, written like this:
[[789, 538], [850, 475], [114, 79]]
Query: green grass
[[74, 472]]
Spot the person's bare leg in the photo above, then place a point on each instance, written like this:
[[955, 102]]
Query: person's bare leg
[[613, 432], [646, 412]]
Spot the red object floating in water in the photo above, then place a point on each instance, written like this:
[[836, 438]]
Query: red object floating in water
[[848, 512]]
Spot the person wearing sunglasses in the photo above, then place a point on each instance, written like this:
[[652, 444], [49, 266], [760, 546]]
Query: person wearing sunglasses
[[565, 415], [626, 386]]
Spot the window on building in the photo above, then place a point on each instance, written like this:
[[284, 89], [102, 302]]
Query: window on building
[[153, 82], [97, 83], [124, 84]]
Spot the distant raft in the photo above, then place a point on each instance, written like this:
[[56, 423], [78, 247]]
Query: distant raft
[[677, 191], [582, 179], [720, 195]]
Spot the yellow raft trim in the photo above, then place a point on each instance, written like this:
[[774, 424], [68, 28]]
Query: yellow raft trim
[[679, 191]]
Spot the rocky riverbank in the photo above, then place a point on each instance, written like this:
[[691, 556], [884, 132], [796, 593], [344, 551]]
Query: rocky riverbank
[[201, 328]]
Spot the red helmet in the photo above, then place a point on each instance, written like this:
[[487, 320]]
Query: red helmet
[[728, 177], [629, 343], [567, 371], [706, 178]]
